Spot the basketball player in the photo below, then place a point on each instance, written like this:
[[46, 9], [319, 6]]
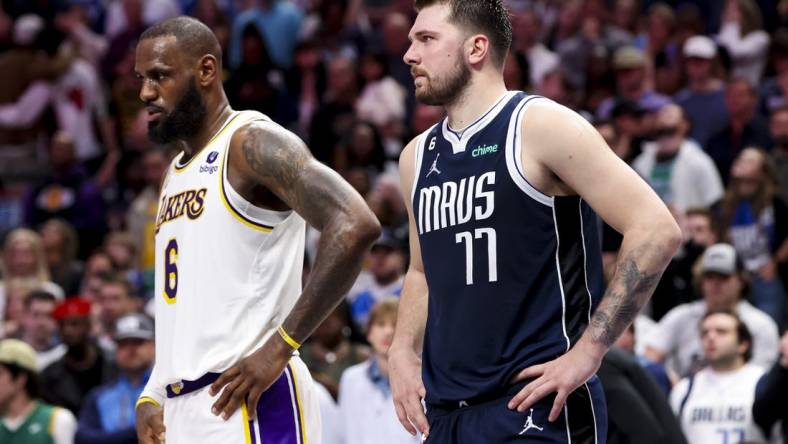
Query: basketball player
[[505, 248], [715, 404], [230, 311]]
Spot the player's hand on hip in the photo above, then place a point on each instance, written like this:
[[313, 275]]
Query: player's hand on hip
[[249, 379], [560, 376], [408, 390], [150, 424]]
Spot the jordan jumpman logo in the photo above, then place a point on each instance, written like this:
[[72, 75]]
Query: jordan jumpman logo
[[434, 167], [529, 424]]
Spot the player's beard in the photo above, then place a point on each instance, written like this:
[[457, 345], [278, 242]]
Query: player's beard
[[185, 119], [445, 90]]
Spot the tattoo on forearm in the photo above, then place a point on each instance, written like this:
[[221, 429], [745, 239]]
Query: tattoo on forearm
[[629, 290]]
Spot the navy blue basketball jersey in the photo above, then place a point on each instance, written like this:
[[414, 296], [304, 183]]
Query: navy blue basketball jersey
[[513, 274]]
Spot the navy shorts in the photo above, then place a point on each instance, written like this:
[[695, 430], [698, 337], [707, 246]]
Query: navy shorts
[[584, 420]]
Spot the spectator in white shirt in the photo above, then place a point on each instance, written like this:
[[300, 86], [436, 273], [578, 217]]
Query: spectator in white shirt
[[742, 35], [365, 400], [715, 404], [722, 285]]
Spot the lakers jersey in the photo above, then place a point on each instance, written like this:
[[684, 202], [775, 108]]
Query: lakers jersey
[[513, 274], [227, 272]]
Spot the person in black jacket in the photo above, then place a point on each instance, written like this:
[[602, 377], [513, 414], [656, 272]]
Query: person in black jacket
[[638, 411], [771, 394]]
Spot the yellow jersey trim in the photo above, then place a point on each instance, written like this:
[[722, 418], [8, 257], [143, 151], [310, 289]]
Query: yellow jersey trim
[[299, 405], [247, 430]]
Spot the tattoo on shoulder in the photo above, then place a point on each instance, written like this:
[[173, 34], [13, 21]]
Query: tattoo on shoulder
[[271, 153], [626, 295]]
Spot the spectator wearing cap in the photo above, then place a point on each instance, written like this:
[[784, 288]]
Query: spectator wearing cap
[[723, 287], [108, 411], [365, 402], [383, 277], [632, 83], [84, 366], [704, 97], [24, 418], [746, 127], [676, 167]]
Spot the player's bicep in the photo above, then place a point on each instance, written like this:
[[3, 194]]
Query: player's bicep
[[407, 162], [574, 151], [277, 159]]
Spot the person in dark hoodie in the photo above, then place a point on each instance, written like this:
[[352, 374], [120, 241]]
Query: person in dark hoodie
[[771, 394]]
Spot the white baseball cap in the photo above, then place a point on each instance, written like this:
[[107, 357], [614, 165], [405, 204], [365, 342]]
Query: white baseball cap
[[701, 47], [27, 28], [719, 258]]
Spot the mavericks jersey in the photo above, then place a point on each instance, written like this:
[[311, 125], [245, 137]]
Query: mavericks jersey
[[513, 274], [227, 272], [716, 408]]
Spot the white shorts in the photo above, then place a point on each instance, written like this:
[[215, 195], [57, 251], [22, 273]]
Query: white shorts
[[287, 413]]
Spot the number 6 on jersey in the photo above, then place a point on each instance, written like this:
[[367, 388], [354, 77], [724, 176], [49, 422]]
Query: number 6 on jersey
[[492, 265], [171, 271]]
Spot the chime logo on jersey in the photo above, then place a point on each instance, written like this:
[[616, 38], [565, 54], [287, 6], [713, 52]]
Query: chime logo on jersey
[[189, 202], [455, 203]]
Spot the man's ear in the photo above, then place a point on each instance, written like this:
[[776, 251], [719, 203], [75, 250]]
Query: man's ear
[[207, 70], [477, 48]]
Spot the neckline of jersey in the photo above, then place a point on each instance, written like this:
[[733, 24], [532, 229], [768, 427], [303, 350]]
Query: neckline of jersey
[[180, 167], [458, 140]]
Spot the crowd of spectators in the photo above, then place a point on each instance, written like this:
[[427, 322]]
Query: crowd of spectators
[[692, 94]]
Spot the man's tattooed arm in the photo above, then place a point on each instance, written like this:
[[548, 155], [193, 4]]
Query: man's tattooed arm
[[266, 154], [637, 275]]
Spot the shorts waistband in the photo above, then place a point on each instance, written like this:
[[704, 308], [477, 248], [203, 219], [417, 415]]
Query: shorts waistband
[[184, 387], [450, 406]]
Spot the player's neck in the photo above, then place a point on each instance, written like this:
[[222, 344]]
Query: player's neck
[[213, 123], [476, 100]]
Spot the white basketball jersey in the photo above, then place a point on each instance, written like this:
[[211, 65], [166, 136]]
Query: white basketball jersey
[[227, 272], [718, 409]]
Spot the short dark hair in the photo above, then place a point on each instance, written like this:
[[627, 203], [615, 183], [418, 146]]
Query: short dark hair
[[39, 295], [488, 17], [118, 279], [192, 36], [742, 332], [32, 386]]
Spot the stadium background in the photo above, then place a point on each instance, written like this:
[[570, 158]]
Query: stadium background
[[78, 177]]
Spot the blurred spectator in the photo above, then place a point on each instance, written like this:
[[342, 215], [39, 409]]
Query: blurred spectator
[[116, 299], [84, 366], [382, 278], [774, 90], [662, 48], [771, 395], [625, 17], [755, 222], [61, 243], [23, 259], [336, 114], [306, 81], [779, 132], [98, 264], [122, 252], [331, 426], [39, 329], [630, 131], [68, 193], [209, 12], [385, 200], [632, 83], [108, 414], [655, 370], [638, 411], [256, 83], [527, 27], [676, 167], [716, 403], [124, 24], [329, 350], [704, 97], [362, 148], [364, 392], [722, 286], [74, 21], [124, 14], [278, 21], [16, 291], [745, 127], [382, 99], [24, 419], [743, 36], [30, 61]]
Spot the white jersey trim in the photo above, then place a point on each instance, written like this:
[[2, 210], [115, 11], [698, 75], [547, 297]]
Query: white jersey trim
[[514, 153], [459, 141]]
